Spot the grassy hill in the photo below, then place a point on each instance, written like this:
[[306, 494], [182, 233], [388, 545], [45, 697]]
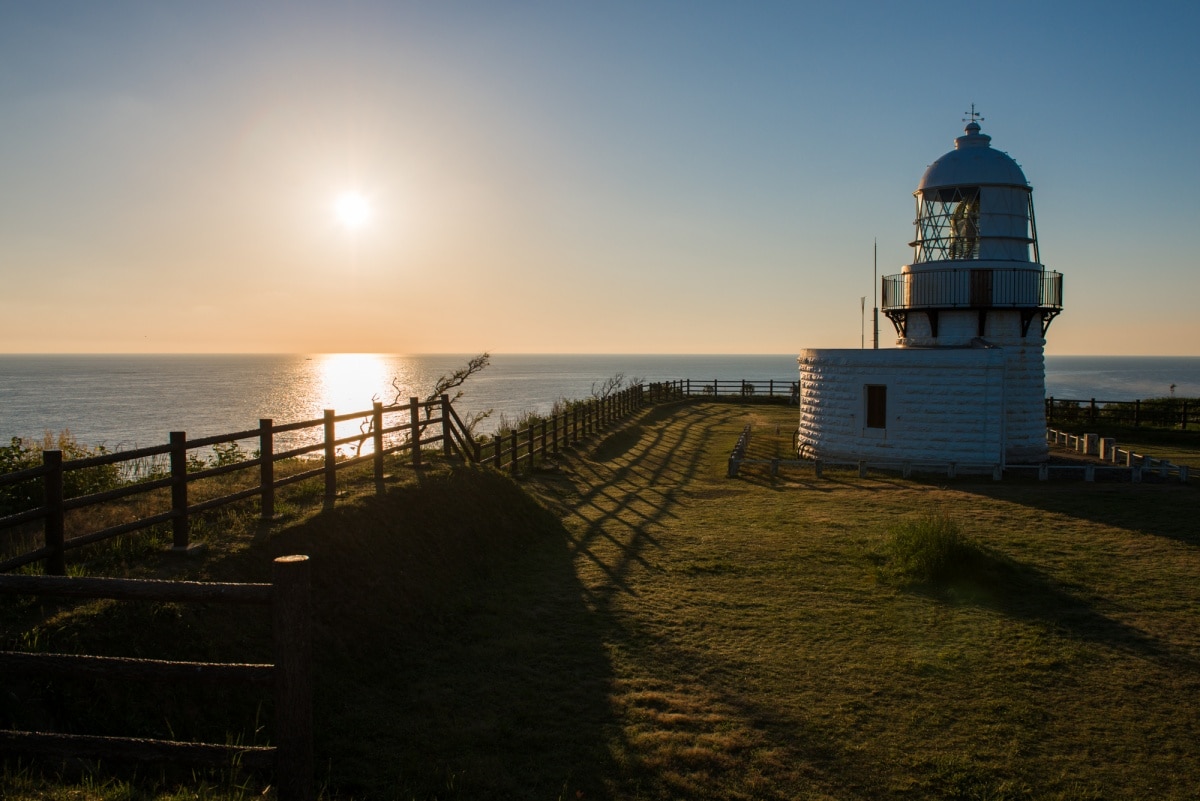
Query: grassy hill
[[628, 623]]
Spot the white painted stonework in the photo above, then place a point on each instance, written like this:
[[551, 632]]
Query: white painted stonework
[[942, 405], [1025, 372]]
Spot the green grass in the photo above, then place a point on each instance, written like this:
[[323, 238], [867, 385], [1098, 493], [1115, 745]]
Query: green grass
[[628, 623]]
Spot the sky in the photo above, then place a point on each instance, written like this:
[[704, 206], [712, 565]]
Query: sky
[[570, 177]]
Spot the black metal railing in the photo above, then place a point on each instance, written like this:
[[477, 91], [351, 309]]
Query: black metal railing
[[973, 288]]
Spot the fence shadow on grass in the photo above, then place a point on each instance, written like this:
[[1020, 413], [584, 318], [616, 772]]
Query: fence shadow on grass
[[624, 490]]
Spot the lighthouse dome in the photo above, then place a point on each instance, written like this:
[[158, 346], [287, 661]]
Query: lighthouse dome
[[973, 162]]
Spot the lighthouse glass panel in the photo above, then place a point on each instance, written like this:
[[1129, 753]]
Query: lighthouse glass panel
[[947, 224]]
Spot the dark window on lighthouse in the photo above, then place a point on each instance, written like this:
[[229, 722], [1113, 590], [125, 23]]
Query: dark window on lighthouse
[[876, 406]]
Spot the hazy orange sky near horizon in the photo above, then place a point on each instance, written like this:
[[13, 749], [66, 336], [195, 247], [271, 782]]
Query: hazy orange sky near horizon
[[544, 177]]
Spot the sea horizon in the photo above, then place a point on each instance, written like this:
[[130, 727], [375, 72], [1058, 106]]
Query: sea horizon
[[125, 400]]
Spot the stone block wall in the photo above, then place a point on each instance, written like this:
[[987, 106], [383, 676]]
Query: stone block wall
[[942, 404]]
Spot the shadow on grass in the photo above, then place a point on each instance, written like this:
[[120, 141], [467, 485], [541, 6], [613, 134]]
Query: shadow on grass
[[991, 580], [621, 493], [454, 655], [1162, 510]]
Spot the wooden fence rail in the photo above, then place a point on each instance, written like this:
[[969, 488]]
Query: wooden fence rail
[[766, 389], [547, 436], [289, 596], [1163, 412], [389, 429]]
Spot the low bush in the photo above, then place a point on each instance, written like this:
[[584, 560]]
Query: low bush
[[931, 549], [21, 454]]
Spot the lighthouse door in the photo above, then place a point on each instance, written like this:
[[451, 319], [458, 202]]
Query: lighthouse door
[[981, 288]]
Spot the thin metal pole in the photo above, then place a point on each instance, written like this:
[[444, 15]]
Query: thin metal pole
[[875, 308]]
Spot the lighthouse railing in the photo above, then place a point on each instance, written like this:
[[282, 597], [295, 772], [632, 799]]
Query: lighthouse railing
[[973, 288]]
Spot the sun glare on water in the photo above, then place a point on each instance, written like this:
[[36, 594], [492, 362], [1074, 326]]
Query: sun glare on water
[[349, 381], [352, 209]]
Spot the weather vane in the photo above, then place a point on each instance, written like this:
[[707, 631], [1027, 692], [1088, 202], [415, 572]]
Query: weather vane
[[972, 115]]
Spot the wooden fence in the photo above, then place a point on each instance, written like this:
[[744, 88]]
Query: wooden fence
[[769, 389], [1161, 412], [420, 423], [547, 436], [407, 429], [288, 595]]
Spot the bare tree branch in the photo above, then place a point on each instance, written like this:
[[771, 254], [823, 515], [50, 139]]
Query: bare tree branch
[[456, 379], [613, 384], [440, 387]]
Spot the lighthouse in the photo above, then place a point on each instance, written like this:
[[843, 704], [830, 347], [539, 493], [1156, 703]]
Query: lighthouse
[[966, 382]]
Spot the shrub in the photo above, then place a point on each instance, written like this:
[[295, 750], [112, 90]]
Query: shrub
[[21, 454], [930, 550]]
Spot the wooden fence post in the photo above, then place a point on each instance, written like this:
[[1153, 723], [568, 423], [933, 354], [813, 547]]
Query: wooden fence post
[[532, 444], [515, 452], [544, 450], [179, 490], [377, 424], [266, 468], [52, 483], [330, 459], [414, 438], [447, 443], [291, 606], [554, 432]]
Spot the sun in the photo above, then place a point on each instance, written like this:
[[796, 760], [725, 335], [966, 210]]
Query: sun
[[352, 209]]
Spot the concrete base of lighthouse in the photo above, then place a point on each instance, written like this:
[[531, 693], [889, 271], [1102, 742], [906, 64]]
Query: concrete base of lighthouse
[[967, 405]]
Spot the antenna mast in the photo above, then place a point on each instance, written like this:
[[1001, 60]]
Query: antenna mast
[[875, 308]]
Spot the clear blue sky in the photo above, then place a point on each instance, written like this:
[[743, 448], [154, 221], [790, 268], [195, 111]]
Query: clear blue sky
[[703, 177]]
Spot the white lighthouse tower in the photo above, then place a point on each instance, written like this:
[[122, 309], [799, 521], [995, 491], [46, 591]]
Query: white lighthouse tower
[[967, 382], [976, 276]]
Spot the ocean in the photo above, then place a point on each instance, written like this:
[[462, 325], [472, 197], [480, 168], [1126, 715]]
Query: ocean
[[128, 401]]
